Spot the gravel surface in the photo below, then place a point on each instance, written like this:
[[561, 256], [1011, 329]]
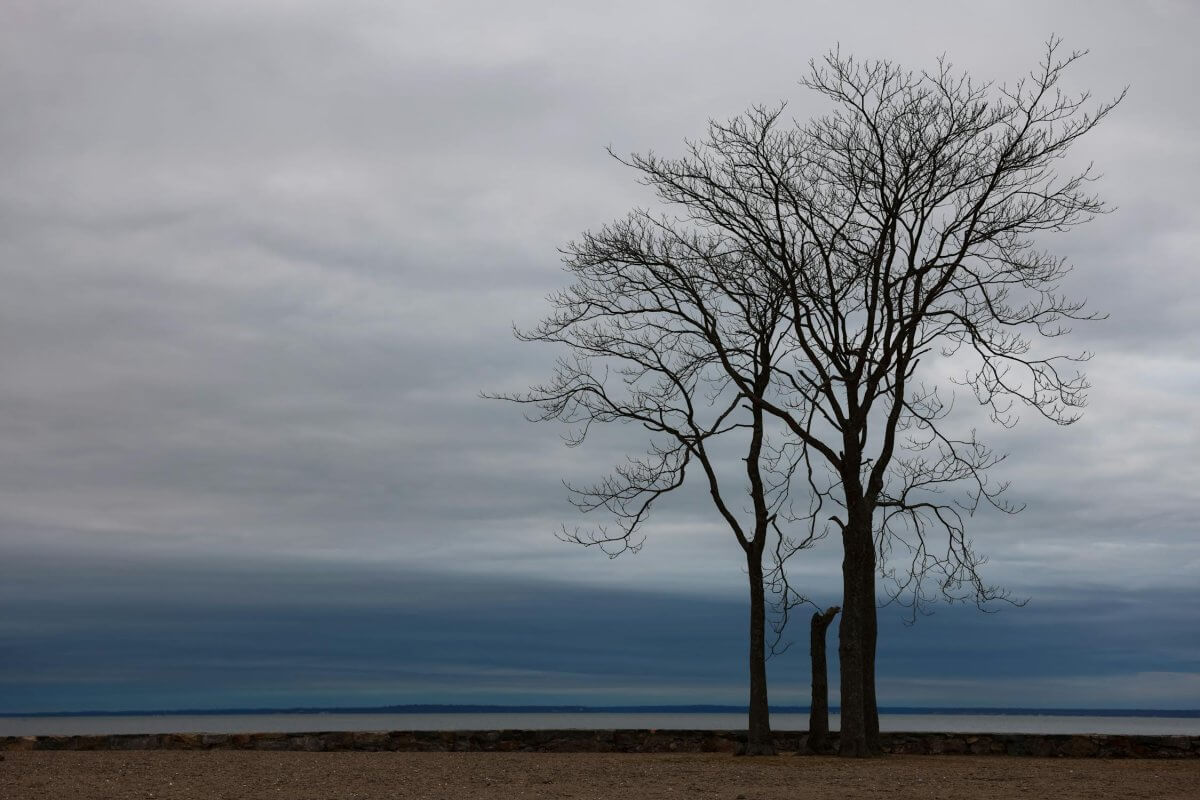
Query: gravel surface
[[234, 775]]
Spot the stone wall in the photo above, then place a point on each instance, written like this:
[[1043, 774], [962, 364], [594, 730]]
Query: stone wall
[[620, 741]]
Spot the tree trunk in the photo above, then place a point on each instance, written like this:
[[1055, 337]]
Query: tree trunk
[[856, 641], [852, 740], [759, 741], [818, 714], [870, 636]]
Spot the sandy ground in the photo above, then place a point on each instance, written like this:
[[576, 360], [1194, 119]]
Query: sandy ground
[[230, 775]]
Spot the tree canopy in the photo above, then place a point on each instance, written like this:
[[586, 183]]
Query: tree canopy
[[803, 288]]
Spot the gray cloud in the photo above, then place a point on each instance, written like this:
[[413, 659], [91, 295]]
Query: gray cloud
[[281, 632], [260, 260]]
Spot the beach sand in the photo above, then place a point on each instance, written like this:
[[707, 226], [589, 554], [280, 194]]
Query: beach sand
[[234, 775]]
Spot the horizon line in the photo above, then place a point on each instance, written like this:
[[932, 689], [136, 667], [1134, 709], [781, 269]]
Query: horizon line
[[683, 708]]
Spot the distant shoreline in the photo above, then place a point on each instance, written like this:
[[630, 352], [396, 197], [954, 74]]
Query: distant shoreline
[[580, 709]]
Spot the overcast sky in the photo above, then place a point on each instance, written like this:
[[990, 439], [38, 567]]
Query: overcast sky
[[260, 258]]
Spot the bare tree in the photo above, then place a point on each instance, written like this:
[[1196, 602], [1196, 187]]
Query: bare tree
[[902, 229], [812, 275], [670, 330]]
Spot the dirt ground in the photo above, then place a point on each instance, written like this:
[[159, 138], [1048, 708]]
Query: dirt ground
[[238, 775]]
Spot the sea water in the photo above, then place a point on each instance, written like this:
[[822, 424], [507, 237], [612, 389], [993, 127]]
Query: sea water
[[334, 721]]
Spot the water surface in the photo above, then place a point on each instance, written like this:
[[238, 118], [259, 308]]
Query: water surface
[[253, 723]]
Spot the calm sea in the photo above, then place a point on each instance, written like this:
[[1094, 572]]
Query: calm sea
[[250, 723]]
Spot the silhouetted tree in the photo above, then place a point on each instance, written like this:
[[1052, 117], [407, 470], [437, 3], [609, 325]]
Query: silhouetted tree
[[657, 322], [810, 275], [900, 227]]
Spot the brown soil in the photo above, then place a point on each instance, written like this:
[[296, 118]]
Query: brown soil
[[234, 775]]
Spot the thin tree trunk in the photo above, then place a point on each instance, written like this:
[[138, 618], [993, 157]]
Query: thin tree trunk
[[759, 741], [818, 714]]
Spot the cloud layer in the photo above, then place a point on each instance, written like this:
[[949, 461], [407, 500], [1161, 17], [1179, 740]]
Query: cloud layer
[[260, 259], [282, 634]]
